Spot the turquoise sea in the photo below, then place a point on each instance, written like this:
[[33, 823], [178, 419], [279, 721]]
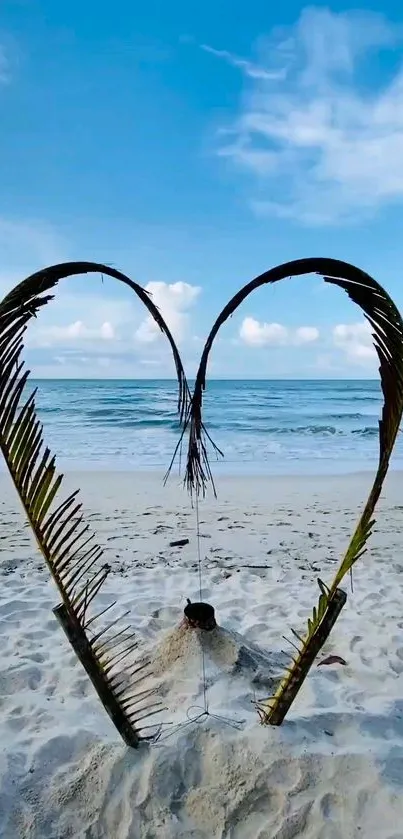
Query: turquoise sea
[[274, 427]]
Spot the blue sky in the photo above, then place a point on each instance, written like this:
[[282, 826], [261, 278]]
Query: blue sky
[[194, 146]]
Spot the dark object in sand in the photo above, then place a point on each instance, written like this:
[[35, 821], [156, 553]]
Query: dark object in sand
[[200, 616], [179, 543], [332, 659]]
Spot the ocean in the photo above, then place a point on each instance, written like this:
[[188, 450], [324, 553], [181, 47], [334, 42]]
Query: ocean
[[262, 427]]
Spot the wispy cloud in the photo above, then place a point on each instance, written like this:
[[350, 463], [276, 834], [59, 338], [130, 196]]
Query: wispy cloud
[[25, 243], [4, 66], [253, 71], [323, 140], [25, 247]]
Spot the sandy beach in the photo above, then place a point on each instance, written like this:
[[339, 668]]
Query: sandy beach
[[334, 770]]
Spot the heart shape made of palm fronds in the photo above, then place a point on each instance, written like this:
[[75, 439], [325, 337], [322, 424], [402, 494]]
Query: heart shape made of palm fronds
[[108, 652]]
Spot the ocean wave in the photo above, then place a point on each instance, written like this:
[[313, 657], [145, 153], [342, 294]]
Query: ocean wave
[[375, 397], [346, 416], [161, 423], [299, 430], [369, 431], [132, 414]]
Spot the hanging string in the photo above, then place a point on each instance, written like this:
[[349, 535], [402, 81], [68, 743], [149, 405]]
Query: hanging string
[[199, 562]]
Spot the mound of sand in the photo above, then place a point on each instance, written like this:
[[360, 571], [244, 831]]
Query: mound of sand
[[225, 652]]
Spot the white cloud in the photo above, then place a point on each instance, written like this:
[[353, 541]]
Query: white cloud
[[107, 331], [174, 301], [74, 333], [329, 144], [355, 340], [256, 334], [306, 334]]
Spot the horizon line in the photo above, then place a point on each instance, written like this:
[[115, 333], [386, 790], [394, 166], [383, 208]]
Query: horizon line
[[211, 379]]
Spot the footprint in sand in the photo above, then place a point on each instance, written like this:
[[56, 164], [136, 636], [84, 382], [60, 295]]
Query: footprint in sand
[[259, 808], [330, 806]]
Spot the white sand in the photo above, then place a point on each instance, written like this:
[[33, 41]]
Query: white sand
[[335, 767]]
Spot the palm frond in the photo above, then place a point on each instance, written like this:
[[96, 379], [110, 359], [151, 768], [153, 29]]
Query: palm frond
[[387, 326], [65, 541]]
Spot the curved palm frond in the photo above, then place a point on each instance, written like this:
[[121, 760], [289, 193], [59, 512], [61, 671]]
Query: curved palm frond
[[65, 541], [387, 326]]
